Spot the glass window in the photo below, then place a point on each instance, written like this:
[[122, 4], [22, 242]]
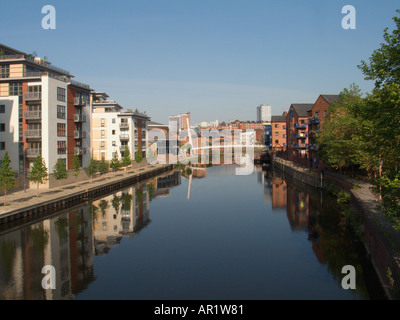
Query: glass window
[[60, 94], [2, 108], [61, 130], [5, 71], [61, 147], [60, 112]]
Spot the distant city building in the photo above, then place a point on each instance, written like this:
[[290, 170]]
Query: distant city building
[[264, 113], [182, 121]]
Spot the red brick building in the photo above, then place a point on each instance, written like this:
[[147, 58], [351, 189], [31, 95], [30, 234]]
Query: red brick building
[[278, 135], [297, 131]]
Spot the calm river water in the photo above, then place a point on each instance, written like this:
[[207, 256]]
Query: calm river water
[[215, 235]]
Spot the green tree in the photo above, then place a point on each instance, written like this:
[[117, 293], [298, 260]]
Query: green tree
[[38, 173], [92, 167], [138, 155], [115, 163], [383, 66], [7, 176], [76, 165], [103, 166], [60, 171], [126, 160], [383, 108]]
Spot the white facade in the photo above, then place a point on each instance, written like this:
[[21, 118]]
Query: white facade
[[113, 130], [9, 138], [264, 113]]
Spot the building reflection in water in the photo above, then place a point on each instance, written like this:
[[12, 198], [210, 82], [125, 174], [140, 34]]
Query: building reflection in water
[[69, 241]]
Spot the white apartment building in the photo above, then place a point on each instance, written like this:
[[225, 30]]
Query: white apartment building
[[114, 129], [41, 109]]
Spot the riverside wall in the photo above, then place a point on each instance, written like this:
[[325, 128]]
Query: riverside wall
[[75, 194], [381, 240]]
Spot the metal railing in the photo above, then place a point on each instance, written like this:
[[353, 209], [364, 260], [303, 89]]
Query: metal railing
[[32, 115], [79, 151], [30, 153], [78, 134], [32, 96], [78, 101], [36, 133], [124, 137], [79, 118]]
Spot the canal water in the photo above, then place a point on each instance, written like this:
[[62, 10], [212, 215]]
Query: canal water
[[207, 235]]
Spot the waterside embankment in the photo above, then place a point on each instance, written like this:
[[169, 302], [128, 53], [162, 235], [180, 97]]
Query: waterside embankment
[[26, 205], [380, 239]]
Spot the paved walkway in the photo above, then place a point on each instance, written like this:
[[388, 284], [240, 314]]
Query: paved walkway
[[22, 199]]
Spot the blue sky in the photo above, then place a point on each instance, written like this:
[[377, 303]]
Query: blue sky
[[218, 59]]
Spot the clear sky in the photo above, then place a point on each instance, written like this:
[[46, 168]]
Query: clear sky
[[218, 59]]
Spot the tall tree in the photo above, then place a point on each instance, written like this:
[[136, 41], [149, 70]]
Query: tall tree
[[60, 171], [7, 176], [384, 109], [76, 165], [383, 66], [126, 160], [38, 173], [92, 167], [103, 166], [138, 155], [115, 163]]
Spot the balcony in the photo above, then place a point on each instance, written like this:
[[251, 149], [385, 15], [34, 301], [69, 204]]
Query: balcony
[[33, 134], [314, 120], [124, 137], [32, 96], [124, 125], [301, 135], [301, 145], [300, 125], [79, 102], [79, 118], [32, 115], [79, 151], [313, 147], [79, 134], [33, 153], [122, 148]]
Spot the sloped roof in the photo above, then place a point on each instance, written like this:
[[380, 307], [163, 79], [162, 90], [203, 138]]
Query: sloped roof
[[330, 98], [302, 108], [280, 118]]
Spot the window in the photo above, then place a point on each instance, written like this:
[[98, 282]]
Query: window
[[103, 122], [60, 112], [276, 133], [2, 127], [114, 143], [276, 125], [103, 134], [276, 141], [2, 108], [103, 145], [61, 130], [61, 147], [5, 71], [15, 89], [60, 94], [113, 132], [2, 145], [113, 120], [325, 113]]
